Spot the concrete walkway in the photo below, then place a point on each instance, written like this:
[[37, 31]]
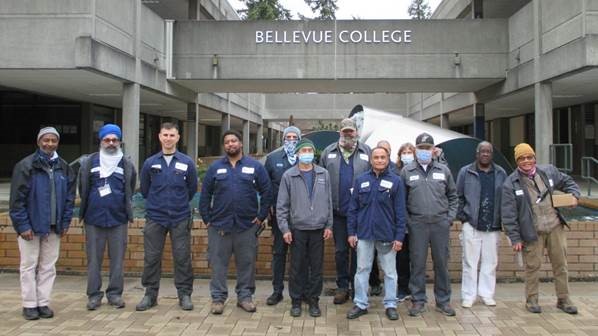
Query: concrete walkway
[[507, 318]]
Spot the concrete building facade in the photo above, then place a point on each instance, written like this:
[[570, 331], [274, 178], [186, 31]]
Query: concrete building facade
[[507, 71]]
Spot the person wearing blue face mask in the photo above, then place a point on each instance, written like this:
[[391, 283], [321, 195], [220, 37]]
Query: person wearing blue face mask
[[304, 213], [277, 163], [432, 203]]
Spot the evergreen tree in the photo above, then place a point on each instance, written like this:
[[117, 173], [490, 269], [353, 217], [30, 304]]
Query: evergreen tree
[[326, 9], [419, 10], [270, 10]]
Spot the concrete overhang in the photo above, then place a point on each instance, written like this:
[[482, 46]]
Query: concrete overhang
[[442, 55]]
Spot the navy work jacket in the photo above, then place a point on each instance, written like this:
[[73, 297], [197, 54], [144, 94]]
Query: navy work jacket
[[229, 195], [168, 189], [377, 210]]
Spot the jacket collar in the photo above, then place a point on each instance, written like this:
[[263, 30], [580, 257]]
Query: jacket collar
[[360, 147], [225, 160], [473, 167], [178, 155], [383, 174], [294, 171]]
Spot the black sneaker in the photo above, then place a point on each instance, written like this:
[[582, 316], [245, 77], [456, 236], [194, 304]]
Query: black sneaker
[[274, 299], [30, 313], [296, 309], [392, 313], [355, 312], [45, 312], [446, 309], [314, 308]]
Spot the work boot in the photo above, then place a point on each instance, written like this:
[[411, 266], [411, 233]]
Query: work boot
[[355, 312], [296, 308], [314, 308], [392, 313], [446, 309], [274, 299], [30, 313], [247, 306], [94, 303], [217, 307], [117, 302], [566, 306], [532, 306], [341, 296], [146, 303], [45, 312], [185, 302], [417, 307]]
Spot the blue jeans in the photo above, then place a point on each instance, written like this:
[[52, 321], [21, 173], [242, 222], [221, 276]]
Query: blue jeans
[[387, 261]]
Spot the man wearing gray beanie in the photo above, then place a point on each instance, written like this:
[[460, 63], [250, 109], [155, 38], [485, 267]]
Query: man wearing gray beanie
[[42, 194], [278, 162]]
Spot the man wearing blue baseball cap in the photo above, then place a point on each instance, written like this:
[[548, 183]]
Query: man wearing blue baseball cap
[[106, 186]]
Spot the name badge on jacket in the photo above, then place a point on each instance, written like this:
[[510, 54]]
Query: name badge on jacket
[[413, 177], [181, 166], [247, 170], [364, 157], [386, 184], [438, 176]]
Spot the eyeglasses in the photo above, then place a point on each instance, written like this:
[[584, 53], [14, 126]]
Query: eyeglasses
[[110, 140]]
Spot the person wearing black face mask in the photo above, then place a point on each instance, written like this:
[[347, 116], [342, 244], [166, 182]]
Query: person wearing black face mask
[[432, 203], [304, 214]]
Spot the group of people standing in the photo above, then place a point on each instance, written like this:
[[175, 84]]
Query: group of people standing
[[373, 209]]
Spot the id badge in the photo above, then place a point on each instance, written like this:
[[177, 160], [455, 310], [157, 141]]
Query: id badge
[[105, 190]]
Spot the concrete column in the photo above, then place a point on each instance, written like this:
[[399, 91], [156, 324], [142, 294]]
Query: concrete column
[[191, 137], [479, 121], [260, 139], [246, 142], [270, 137], [87, 133], [543, 121], [194, 8], [224, 126], [444, 121], [131, 96], [477, 9]]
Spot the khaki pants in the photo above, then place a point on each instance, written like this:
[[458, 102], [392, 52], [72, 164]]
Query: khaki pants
[[555, 243], [38, 271]]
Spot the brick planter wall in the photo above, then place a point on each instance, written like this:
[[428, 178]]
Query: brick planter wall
[[582, 252]]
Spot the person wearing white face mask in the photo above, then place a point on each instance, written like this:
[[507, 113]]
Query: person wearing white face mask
[[304, 214], [432, 203]]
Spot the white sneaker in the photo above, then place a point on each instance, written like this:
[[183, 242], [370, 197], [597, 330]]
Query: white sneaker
[[489, 302], [467, 303]]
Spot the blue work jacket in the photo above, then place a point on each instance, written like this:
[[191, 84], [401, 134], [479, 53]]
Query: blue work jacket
[[168, 189], [276, 164], [229, 195], [377, 210]]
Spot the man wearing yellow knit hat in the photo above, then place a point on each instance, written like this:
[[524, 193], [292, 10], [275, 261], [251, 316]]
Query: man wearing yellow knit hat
[[532, 223]]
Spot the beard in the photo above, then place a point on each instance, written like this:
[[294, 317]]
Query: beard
[[110, 150], [233, 151]]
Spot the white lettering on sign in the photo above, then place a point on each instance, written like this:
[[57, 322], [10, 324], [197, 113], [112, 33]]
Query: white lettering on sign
[[327, 36]]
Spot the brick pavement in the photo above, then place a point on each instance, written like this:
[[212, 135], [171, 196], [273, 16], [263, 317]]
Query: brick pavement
[[507, 318]]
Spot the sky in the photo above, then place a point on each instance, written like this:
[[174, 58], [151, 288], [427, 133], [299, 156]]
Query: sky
[[348, 9]]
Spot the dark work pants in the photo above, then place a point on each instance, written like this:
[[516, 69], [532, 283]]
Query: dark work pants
[[344, 256], [96, 239], [307, 257], [279, 257], [154, 236], [435, 235], [221, 246], [403, 268]]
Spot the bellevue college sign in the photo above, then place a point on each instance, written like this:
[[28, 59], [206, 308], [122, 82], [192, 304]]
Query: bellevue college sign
[[327, 36]]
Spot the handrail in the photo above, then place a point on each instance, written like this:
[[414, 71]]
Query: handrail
[[586, 171]]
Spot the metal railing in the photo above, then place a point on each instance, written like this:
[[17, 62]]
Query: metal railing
[[561, 156], [587, 163]]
